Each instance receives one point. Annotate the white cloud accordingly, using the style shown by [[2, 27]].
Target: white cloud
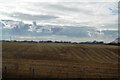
[[93, 14]]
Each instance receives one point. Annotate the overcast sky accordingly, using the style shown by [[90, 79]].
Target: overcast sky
[[100, 15]]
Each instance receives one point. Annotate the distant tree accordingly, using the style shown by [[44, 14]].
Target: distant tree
[[101, 42], [49, 41], [14, 40], [25, 41]]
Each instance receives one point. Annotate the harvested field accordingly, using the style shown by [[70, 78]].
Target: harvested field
[[59, 60]]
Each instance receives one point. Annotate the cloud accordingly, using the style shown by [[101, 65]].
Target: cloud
[[59, 1], [23, 16], [63, 8], [69, 31], [74, 31], [56, 30], [71, 19], [92, 14], [110, 33]]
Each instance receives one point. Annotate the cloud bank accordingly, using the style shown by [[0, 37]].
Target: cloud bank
[[69, 19]]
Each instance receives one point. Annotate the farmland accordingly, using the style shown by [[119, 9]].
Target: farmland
[[59, 60]]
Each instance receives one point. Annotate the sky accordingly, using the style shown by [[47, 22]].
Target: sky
[[60, 20]]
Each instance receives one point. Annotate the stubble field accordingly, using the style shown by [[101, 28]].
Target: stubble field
[[59, 60]]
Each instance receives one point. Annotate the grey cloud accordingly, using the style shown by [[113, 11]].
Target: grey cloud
[[111, 33], [70, 31], [111, 26], [2, 24], [61, 7], [32, 17], [76, 31], [56, 30]]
